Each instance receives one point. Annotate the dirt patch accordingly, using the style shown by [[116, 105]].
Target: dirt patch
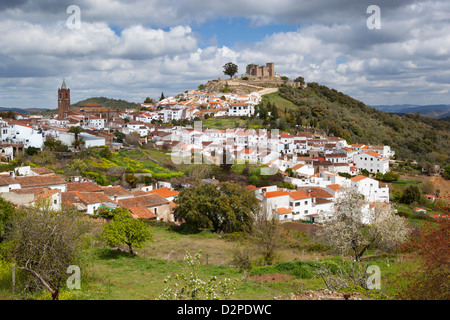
[[275, 277], [308, 228], [444, 188], [322, 295]]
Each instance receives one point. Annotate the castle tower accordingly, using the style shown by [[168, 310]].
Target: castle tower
[[270, 69], [63, 101]]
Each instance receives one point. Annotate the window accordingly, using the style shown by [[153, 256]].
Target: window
[[306, 203], [55, 201]]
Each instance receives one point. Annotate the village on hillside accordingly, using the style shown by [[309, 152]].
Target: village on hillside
[[318, 167]]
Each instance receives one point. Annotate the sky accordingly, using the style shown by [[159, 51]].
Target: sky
[[133, 49]]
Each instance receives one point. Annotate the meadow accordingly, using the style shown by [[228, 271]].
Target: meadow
[[110, 274]]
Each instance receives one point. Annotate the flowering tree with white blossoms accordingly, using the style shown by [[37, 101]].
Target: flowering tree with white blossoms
[[356, 227], [191, 287]]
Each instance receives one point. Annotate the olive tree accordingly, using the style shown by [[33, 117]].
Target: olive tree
[[44, 243], [124, 229]]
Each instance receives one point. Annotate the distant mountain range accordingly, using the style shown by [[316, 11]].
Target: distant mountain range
[[23, 110], [432, 111]]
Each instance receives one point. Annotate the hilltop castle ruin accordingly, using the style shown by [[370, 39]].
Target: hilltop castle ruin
[[267, 71]]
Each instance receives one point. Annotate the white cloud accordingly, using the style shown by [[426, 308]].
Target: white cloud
[[157, 50]]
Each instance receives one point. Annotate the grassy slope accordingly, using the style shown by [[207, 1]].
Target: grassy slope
[[111, 275]]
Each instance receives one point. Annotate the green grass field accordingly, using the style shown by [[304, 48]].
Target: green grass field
[[281, 103], [109, 274]]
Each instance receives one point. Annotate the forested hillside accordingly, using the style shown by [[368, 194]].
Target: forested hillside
[[411, 136], [107, 102]]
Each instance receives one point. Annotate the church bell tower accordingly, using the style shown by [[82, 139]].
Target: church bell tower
[[63, 101]]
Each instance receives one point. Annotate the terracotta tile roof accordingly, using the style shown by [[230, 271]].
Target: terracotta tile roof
[[298, 195], [334, 187], [116, 191], [47, 193], [138, 193], [373, 154], [336, 155], [84, 187], [322, 201], [34, 181], [149, 200], [279, 193], [164, 192], [42, 171], [284, 210], [316, 192], [358, 178], [39, 192], [92, 197], [141, 213]]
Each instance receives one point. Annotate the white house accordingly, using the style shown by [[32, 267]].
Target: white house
[[89, 140], [301, 204], [372, 162], [238, 109], [370, 189], [273, 200]]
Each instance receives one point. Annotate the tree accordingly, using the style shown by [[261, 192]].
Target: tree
[[301, 80], [230, 69], [354, 228], [266, 234], [390, 176], [44, 244], [162, 96], [227, 160], [6, 212], [44, 158], [428, 247], [411, 195], [131, 179], [119, 136], [124, 229], [52, 144], [77, 167], [230, 208], [148, 100], [31, 151], [77, 143], [428, 187], [110, 214], [132, 138]]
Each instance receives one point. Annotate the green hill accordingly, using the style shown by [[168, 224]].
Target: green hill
[[108, 102], [412, 136]]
